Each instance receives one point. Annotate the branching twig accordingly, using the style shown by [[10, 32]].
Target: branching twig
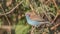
[[7, 19], [5, 15], [45, 11], [57, 10], [58, 13], [6, 27], [12, 9]]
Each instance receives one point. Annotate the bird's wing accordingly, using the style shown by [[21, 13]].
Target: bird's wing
[[36, 18]]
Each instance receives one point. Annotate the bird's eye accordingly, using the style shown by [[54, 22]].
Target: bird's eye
[[28, 14]]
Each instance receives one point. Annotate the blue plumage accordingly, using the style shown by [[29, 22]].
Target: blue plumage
[[34, 22]]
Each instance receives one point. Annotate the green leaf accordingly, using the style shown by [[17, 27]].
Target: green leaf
[[22, 29]]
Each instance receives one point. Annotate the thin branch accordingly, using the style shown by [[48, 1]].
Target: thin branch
[[31, 7], [7, 19], [57, 11], [45, 12], [32, 31], [6, 16], [55, 4], [53, 28], [6, 27], [47, 1], [12, 9]]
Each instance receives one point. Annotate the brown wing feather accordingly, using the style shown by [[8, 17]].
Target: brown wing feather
[[36, 18]]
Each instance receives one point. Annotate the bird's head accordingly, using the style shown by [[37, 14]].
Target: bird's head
[[28, 14]]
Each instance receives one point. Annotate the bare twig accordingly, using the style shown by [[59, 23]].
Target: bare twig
[[55, 33], [32, 31], [55, 17], [12, 9], [7, 19], [5, 15], [44, 33], [9, 2], [58, 13], [47, 1], [55, 4], [53, 28], [49, 18], [7, 28], [31, 7], [57, 10]]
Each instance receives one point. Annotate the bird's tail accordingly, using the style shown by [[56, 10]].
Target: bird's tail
[[47, 22]]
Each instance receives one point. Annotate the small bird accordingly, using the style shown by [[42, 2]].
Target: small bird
[[35, 20]]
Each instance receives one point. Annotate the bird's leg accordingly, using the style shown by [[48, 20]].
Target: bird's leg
[[32, 30]]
